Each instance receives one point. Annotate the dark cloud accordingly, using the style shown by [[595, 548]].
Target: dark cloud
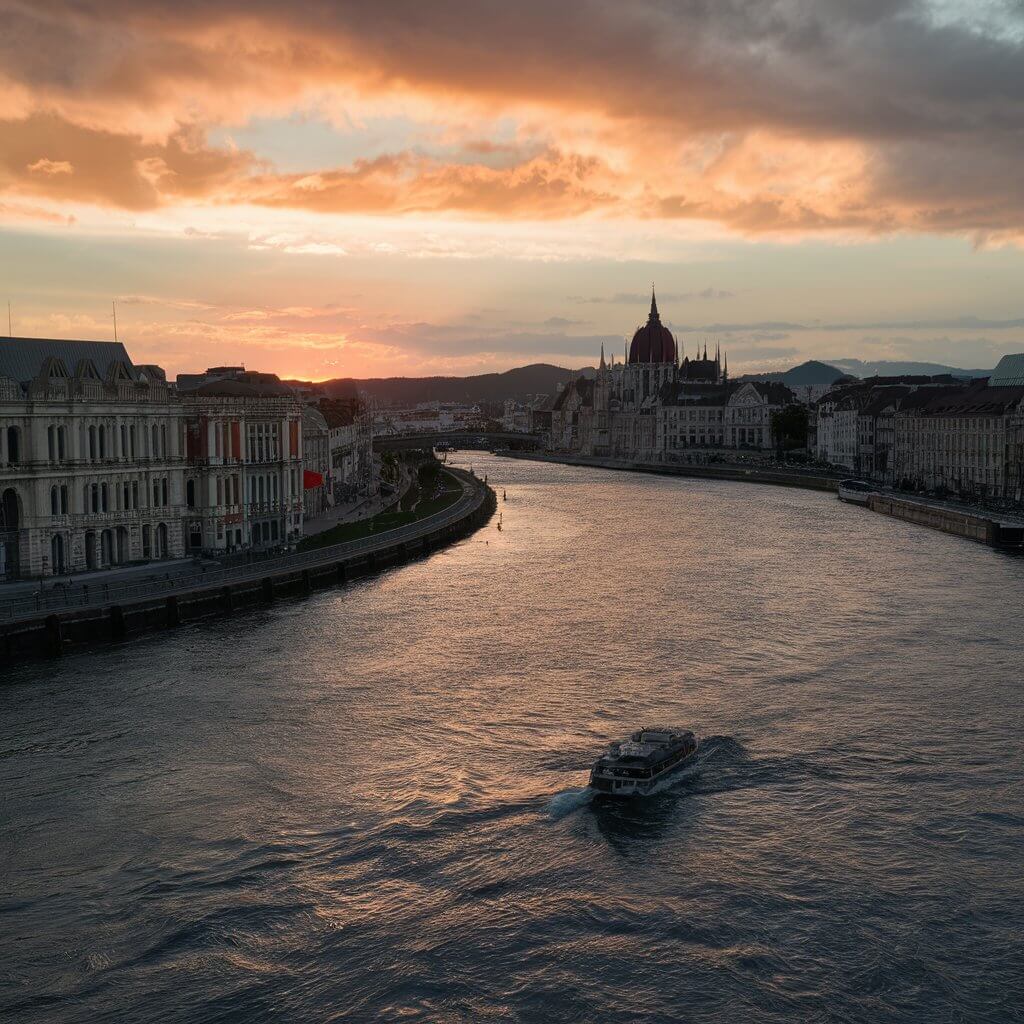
[[800, 115]]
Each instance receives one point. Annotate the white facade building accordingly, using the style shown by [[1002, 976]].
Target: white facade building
[[91, 459]]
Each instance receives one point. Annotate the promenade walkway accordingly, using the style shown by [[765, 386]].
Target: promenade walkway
[[125, 591]]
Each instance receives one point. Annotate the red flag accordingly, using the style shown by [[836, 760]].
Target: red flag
[[311, 479]]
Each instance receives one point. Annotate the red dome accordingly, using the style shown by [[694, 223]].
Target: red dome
[[653, 343]]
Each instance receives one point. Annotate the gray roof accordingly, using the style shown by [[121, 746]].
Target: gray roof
[[22, 358], [1009, 372]]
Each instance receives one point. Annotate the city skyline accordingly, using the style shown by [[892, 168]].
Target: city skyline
[[349, 191]]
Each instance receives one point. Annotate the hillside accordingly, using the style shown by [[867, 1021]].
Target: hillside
[[809, 374], [491, 388], [894, 368]]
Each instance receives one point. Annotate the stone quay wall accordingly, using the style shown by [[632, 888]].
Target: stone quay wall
[[140, 608], [752, 474]]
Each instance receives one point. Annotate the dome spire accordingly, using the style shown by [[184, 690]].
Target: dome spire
[[654, 306]]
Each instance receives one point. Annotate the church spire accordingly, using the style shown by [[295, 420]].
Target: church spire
[[602, 366], [654, 306]]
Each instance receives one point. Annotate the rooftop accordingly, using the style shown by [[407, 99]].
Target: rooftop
[[21, 359]]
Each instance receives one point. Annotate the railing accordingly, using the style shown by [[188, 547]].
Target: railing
[[58, 598]]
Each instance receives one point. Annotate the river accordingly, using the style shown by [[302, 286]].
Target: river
[[370, 805]]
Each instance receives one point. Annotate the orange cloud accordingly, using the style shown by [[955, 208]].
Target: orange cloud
[[776, 116]]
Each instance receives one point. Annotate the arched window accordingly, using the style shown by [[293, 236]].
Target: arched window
[[161, 540], [124, 441], [155, 442], [10, 515], [103, 442], [54, 501], [13, 445], [92, 444], [131, 440], [163, 492], [51, 443], [156, 493], [62, 443], [95, 497], [147, 543], [190, 492], [64, 499], [135, 494], [103, 497], [163, 440]]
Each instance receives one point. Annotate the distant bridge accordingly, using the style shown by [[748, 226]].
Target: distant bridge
[[480, 440]]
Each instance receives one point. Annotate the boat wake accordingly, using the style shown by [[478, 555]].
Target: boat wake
[[568, 801]]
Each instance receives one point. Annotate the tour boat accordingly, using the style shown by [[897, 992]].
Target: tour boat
[[644, 763], [856, 492]]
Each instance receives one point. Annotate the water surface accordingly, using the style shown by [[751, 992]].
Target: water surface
[[369, 805]]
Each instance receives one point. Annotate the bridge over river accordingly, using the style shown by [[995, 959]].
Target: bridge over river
[[483, 441]]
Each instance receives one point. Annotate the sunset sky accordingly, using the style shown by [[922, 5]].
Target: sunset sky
[[389, 187]]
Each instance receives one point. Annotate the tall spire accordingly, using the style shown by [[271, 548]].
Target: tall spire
[[654, 306], [725, 369], [705, 348], [602, 366]]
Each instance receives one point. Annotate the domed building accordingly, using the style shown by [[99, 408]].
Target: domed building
[[620, 412], [653, 343]]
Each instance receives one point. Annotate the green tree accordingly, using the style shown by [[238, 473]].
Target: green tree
[[789, 427]]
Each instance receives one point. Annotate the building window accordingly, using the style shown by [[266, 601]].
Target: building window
[[13, 445]]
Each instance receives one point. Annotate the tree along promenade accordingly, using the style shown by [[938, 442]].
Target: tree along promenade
[[48, 622]]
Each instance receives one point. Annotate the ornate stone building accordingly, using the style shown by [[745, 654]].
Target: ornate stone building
[[654, 405], [244, 484], [91, 459]]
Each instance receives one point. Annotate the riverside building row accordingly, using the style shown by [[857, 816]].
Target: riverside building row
[[936, 434], [104, 463]]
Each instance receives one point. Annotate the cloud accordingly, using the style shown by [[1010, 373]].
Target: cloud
[[45, 166], [37, 156], [643, 298], [787, 327], [781, 116], [561, 321]]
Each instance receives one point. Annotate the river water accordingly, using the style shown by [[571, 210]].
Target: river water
[[370, 805]]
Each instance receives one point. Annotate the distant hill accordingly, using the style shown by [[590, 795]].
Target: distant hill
[[809, 374], [894, 368], [488, 388]]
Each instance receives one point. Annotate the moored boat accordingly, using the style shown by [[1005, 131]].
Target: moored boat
[[856, 492], [644, 763]]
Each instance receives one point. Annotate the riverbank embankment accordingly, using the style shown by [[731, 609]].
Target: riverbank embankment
[[28, 630], [751, 474], [994, 532], [969, 524]]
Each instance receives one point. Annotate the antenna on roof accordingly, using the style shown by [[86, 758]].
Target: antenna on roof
[[113, 306]]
